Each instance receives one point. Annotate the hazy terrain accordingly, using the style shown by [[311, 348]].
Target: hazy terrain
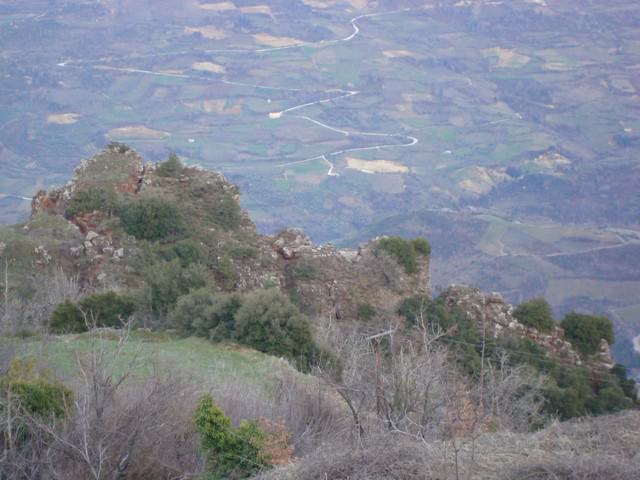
[[506, 132]]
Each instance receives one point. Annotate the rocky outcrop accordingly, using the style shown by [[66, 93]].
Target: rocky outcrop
[[332, 282], [490, 311]]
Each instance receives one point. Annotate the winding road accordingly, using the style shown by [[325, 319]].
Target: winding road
[[335, 94]]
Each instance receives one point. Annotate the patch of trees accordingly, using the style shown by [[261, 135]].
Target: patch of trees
[[265, 320], [406, 252], [171, 167], [572, 391], [154, 219], [535, 313], [109, 309], [585, 332], [91, 200]]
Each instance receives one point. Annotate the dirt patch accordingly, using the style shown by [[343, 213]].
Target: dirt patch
[[479, 180], [273, 41], [218, 7], [397, 53], [506, 57], [217, 105], [357, 4], [208, 67], [210, 32], [376, 166], [63, 118], [551, 160], [263, 9], [137, 131]]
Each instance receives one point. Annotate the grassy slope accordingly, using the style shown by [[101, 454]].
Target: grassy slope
[[205, 363]]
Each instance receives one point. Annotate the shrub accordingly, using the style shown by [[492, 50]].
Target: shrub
[[108, 309], [165, 282], [206, 314], [270, 323], [305, 269], [226, 213], [187, 252], [535, 313], [91, 200], [152, 219], [422, 246], [67, 318], [171, 167], [406, 252], [118, 147], [232, 453], [366, 311], [586, 331], [36, 392]]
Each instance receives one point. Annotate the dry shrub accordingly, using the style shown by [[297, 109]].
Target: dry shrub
[[19, 316], [389, 457], [309, 412], [577, 468]]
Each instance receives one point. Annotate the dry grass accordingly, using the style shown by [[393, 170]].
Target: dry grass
[[604, 448], [273, 41], [376, 166]]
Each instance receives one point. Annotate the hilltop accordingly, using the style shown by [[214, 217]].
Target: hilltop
[[130, 261]]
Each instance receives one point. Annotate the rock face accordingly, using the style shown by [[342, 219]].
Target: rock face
[[490, 311], [332, 282]]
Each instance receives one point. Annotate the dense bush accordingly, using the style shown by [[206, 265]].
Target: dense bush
[[535, 313], [586, 331], [153, 219], [100, 309], [67, 318], [91, 200], [118, 147], [459, 331], [108, 309], [406, 252], [36, 392], [231, 453], [171, 167], [186, 251], [226, 213], [270, 323], [165, 282], [206, 314]]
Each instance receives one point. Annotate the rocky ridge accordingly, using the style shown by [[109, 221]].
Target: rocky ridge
[[325, 281]]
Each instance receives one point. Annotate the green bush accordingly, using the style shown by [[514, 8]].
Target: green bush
[[108, 309], [91, 200], [535, 313], [153, 219], [585, 331], [187, 252], [171, 167], [165, 282], [205, 314], [67, 318], [226, 213], [422, 246], [118, 147], [36, 392], [461, 334], [305, 269], [231, 453], [406, 252], [270, 323]]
